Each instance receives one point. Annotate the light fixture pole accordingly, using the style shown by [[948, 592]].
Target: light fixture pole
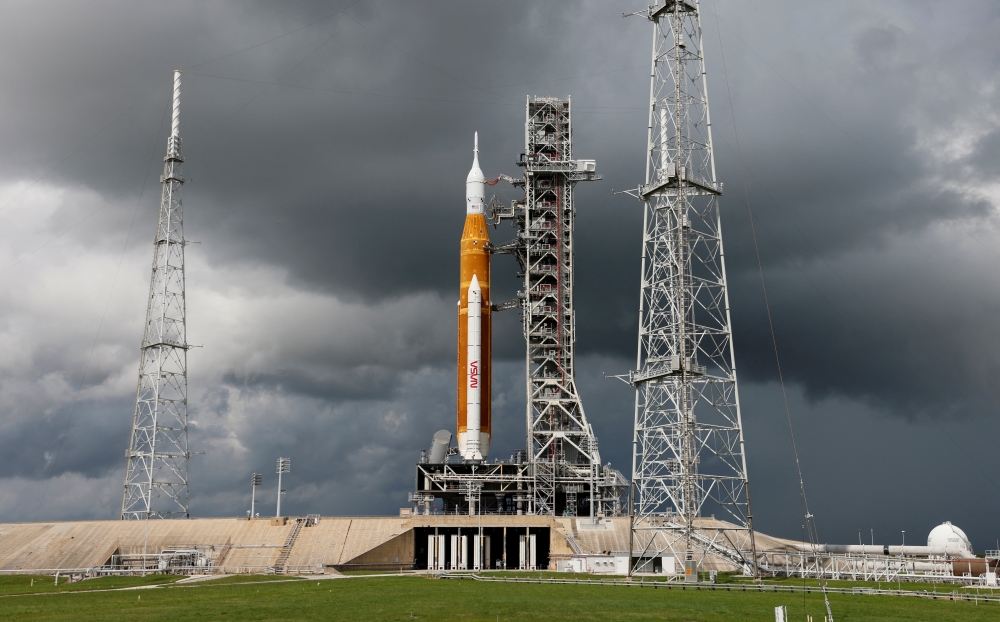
[[255, 481], [284, 466]]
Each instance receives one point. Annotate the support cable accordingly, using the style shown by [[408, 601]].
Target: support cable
[[67, 229], [100, 325], [147, 93], [885, 327], [843, 131], [285, 34], [810, 520], [79, 147], [423, 62]]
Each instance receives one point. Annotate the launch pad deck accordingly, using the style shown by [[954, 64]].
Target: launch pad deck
[[507, 488]]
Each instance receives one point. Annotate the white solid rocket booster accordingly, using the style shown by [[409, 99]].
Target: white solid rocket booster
[[474, 369]]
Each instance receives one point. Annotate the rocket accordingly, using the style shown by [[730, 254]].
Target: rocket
[[474, 334]]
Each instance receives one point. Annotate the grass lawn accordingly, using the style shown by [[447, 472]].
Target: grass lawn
[[23, 584], [736, 579], [409, 598]]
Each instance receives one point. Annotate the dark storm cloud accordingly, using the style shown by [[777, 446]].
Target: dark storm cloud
[[327, 171]]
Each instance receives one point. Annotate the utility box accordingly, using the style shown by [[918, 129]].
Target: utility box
[[279, 521], [690, 571], [621, 564]]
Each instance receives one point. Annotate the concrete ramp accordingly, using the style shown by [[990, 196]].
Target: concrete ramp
[[87, 544], [238, 545]]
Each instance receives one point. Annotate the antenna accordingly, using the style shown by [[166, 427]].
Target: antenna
[[156, 471]]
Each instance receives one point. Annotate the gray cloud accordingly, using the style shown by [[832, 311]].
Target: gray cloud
[[327, 170]]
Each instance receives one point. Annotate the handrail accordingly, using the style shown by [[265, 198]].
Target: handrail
[[735, 587]]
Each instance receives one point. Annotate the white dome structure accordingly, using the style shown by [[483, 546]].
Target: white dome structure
[[949, 538]]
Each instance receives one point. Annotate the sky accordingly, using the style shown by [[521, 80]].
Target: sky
[[326, 148]]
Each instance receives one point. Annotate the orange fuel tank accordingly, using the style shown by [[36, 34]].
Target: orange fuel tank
[[474, 376]]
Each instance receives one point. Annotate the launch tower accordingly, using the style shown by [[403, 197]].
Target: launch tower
[[560, 471], [156, 472], [561, 445], [688, 454]]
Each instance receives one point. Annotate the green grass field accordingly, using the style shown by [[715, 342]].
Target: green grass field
[[409, 598]]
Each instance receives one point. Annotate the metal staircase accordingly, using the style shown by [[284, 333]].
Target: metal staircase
[[286, 549]]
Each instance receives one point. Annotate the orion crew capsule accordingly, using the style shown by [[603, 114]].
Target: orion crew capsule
[[474, 335]]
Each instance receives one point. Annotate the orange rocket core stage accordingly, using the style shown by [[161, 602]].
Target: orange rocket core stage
[[475, 260]]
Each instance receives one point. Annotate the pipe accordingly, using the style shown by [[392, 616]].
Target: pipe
[[975, 566], [884, 549], [438, 452]]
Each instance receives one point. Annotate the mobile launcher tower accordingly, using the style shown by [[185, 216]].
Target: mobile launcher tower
[[560, 471]]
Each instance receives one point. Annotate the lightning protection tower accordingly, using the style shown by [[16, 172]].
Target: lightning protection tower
[[688, 453], [156, 473]]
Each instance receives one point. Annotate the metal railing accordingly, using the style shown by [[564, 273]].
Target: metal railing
[[736, 587]]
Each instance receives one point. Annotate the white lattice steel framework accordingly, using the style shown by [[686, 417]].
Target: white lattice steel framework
[[688, 454], [156, 474], [558, 436], [565, 464]]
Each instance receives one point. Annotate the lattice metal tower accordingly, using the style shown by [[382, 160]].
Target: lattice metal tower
[[156, 474], [688, 453], [562, 449]]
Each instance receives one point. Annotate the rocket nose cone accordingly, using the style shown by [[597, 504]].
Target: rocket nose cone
[[474, 285]]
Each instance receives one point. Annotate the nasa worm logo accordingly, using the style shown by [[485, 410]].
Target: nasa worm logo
[[473, 374]]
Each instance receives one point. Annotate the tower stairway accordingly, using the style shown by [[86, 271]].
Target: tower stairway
[[286, 549]]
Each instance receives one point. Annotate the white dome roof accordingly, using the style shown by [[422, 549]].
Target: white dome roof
[[950, 538]]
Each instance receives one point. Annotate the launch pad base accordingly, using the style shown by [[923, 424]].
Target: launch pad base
[[472, 488]]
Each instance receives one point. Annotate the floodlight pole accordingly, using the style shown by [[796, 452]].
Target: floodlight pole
[[284, 466], [255, 481]]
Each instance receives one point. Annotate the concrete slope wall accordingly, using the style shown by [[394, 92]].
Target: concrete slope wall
[[337, 540], [242, 545], [85, 544]]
